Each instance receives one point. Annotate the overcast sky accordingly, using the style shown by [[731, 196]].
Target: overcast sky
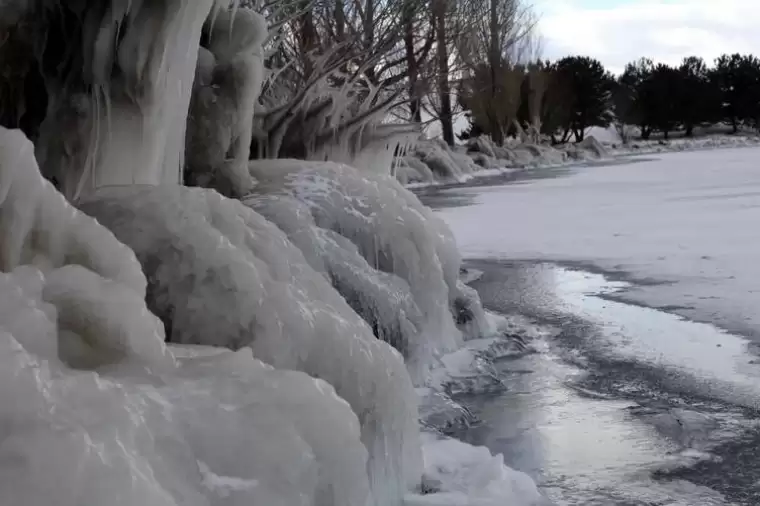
[[618, 31]]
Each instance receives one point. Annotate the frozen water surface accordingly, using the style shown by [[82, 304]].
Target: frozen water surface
[[688, 220]]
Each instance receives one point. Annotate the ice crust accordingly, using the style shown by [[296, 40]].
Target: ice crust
[[387, 254]]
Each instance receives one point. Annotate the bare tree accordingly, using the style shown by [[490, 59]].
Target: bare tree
[[494, 47], [338, 68]]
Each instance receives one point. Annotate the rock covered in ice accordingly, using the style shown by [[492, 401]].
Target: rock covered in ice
[[439, 412], [405, 251], [588, 149], [593, 146], [413, 170], [444, 163], [220, 274], [481, 144]]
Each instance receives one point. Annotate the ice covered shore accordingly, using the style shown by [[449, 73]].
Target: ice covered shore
[[431, 162], [312, 408]]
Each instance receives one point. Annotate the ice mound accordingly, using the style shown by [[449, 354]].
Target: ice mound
[[218, 430], [592, 145], [388, 255], [588, 149], [444, 163], [39, 227], [220, 274], [457, 474], [411, 170], [96, 410]]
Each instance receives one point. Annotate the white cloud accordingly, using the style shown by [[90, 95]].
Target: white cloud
[[619, 31]]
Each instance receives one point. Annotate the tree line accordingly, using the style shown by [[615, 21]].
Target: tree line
[[562, 99], [337, 72]]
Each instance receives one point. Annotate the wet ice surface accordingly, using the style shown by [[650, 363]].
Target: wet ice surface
[[596, 419], [625, 405]]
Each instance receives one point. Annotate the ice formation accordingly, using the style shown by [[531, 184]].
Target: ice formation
[[220, 274], [457, 474], [228, 81], [431, 162], [443, 162], [99, 411], [38, 227], [388, 255], [311, 408], [139, 59]]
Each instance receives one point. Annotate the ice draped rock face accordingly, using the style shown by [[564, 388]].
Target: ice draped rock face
[[395, 263], [220, 274], [96, 410]]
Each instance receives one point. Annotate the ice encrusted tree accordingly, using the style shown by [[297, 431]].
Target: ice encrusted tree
[[313, 406]]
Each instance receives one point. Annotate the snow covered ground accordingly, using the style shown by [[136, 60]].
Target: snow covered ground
[[686, 220]]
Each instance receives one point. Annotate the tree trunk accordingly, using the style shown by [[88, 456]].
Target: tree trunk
[[497, 135], [308, 39], [369, 36], [444, 87], [340, 20], [415, 107]]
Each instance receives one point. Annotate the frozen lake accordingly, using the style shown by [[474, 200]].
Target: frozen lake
[[689, 221], [628, 403]]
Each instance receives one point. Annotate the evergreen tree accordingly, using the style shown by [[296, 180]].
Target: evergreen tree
[[698, 100], [737, 77], [590, 87], [630, 97], [661, 98]]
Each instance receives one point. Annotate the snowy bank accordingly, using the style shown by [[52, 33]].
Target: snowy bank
[[435, 163], [716, 141]]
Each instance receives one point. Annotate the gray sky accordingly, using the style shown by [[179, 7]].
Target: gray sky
[[618, 31]]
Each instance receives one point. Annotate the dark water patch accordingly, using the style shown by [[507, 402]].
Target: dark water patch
[[734, 471], [627, 405]]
